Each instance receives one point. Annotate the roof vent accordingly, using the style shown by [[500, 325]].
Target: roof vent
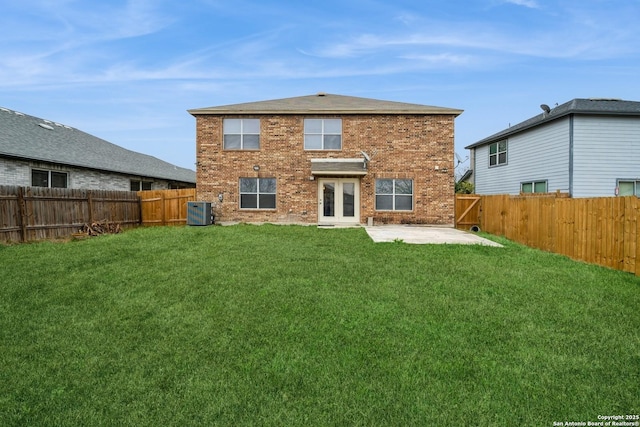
[[322, 94], [17, 113], [46, 126], [5, 110]]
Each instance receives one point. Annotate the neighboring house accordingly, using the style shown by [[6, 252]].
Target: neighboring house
[[585, 147], [467, 176], [327, 159], [41, 153]]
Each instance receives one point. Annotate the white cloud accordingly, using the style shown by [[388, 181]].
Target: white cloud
[[95, 21], [369, 43], [533, 4], [87, 51], [441, 60], [565, 35], [72, 39]]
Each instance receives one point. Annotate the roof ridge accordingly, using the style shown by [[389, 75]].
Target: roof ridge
[[323, 103]]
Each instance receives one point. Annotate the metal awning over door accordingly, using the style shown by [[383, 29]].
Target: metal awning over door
[[343, 167]]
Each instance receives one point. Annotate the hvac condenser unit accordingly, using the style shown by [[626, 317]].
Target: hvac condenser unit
[[199, 213]]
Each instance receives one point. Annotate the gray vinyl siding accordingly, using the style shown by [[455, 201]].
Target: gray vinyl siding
[[605, 149], [534, 155]]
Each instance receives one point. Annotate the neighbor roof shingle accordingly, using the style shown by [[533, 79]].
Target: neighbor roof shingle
[[609, 107], [28, 137]]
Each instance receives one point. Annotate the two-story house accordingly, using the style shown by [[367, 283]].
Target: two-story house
[[327, 159], [584, 147]]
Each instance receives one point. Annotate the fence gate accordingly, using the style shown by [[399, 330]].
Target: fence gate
[[468, 208], [165, 207]]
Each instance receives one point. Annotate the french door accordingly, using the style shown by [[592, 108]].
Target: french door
[[338, 201]]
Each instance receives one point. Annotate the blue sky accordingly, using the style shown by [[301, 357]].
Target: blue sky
[[127, 70]]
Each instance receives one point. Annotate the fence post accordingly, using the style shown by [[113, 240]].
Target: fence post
[[163, 203], [636, 205], [90, 204], [22, 208]]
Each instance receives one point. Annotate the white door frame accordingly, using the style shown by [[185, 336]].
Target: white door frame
[[336, 211]]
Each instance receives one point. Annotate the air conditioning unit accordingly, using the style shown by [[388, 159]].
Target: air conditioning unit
[[199, 213]]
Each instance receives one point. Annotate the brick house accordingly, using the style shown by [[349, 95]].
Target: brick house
[[327, 159]]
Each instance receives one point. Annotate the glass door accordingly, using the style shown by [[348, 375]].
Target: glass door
[[339, 201], [328, 199]]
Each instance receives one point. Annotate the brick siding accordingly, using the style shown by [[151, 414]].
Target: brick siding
[[418, 147]]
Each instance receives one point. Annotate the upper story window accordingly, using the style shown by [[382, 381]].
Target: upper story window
[[533, 187], [241, 134], [498, 153], [51, 179], [322, 134]]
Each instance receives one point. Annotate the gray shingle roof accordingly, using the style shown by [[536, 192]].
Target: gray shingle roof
[[597, 106], [28, 137], [324, 103]]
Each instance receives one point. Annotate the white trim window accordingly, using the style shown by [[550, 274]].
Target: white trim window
[[241, 134], [394, 194], [257, 193], [498, 153], [322, 134], [533, 187], [49, 179], [629, 187]]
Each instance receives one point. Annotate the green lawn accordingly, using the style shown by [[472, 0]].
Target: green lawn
[[290, 325]]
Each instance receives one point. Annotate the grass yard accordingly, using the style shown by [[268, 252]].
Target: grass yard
[[289, 325]]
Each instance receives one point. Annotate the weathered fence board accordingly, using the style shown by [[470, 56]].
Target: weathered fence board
[[602, 230], [36, 213]]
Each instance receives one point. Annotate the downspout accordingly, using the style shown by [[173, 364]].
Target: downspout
[[571, 155], [472, 165]]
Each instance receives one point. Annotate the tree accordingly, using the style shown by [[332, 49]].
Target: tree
[[464, 187]]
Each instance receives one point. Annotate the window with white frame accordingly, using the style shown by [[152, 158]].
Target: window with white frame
[[498, 153], [394, 194], [46, 178], [322, 134], [241, 134], [533, 187], [629, 187], [257, 193]]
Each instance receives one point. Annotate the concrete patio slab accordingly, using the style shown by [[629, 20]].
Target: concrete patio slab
[[426, 235]]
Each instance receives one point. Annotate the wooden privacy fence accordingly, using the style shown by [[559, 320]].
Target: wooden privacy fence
[[602, 230], [165, 207], [36, 213]]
